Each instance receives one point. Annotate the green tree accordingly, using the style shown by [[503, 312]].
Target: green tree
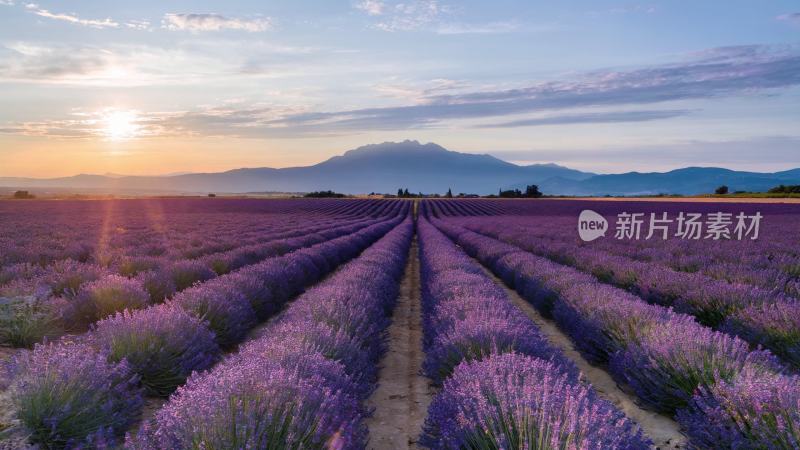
[[532, 191]]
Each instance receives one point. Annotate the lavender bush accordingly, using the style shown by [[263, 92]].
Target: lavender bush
[[101, 298], [67, 395], [669, 363], [163, 345], [225, 309], [753, 410], [776, 326], [25, 321], [258, 403], [158, 284], [515, 401], [65, 278], [189, 271]]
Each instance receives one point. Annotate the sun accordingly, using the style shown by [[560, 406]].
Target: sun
[[120, 125]]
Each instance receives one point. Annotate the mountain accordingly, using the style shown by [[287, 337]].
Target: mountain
[[419, 167], [372, 168], [690, 180]]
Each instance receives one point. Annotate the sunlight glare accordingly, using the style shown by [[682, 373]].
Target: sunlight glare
[[120, 125]]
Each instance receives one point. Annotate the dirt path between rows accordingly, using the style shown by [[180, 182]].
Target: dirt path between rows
[[661, 429], [403, 394]]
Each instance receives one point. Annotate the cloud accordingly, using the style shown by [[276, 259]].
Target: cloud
[[488, 28], [7, 2], [138, 24], [214, 22], [723, 72], [715, 73], [427, 15], [118, 65], [405, 16], [597, 117], [371, 7], [790, 17], [72, 18]]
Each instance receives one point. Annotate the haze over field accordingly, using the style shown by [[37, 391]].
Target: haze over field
[[155, 88]]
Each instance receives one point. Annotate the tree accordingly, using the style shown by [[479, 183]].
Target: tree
[[449, 193], [722, 190], [324, 194], [400, 192], [511, 193], [406, 193], [532, 191], [783, 189], [23, 194]]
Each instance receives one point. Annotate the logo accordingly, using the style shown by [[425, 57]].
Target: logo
[[591, 225]]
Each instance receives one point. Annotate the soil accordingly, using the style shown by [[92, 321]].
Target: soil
[[403, 394], [661, 429]]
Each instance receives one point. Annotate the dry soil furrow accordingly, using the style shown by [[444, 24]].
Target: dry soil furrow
[[402, 397]]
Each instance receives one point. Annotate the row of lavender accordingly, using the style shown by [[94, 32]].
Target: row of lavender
[[723, 394], [78, 294], [757, 315], [772, 261], [96, 231], [504, 386], [128, 254], [745, 262], [88, 391], [302, 383]]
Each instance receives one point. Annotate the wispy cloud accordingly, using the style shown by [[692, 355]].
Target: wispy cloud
[[595, 117], [371, 7], [72, 18], [412, 15], [486, 28], [428, 15], [790, 17], [138, 24], [7, 2], [723, 72], [748, 70], [215, 22]]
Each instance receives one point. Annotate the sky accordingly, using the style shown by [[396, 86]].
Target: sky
[[149, 87]]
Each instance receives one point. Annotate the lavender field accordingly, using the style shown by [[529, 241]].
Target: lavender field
[[376, 323]]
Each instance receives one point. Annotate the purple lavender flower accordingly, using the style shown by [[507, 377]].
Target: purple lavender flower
[[753, 410], [104, 297], [516, 401], [223, 306], [69, 395], [258, 403], [189, 271], [65, 278], [669, 363], [163, 344], [775, 325], [158, 284]]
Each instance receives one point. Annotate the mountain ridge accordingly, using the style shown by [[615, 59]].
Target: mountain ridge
[[429, 167]]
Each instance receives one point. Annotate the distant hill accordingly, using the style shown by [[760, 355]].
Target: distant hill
[[372, 168], [688, 181], [419, 167]]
